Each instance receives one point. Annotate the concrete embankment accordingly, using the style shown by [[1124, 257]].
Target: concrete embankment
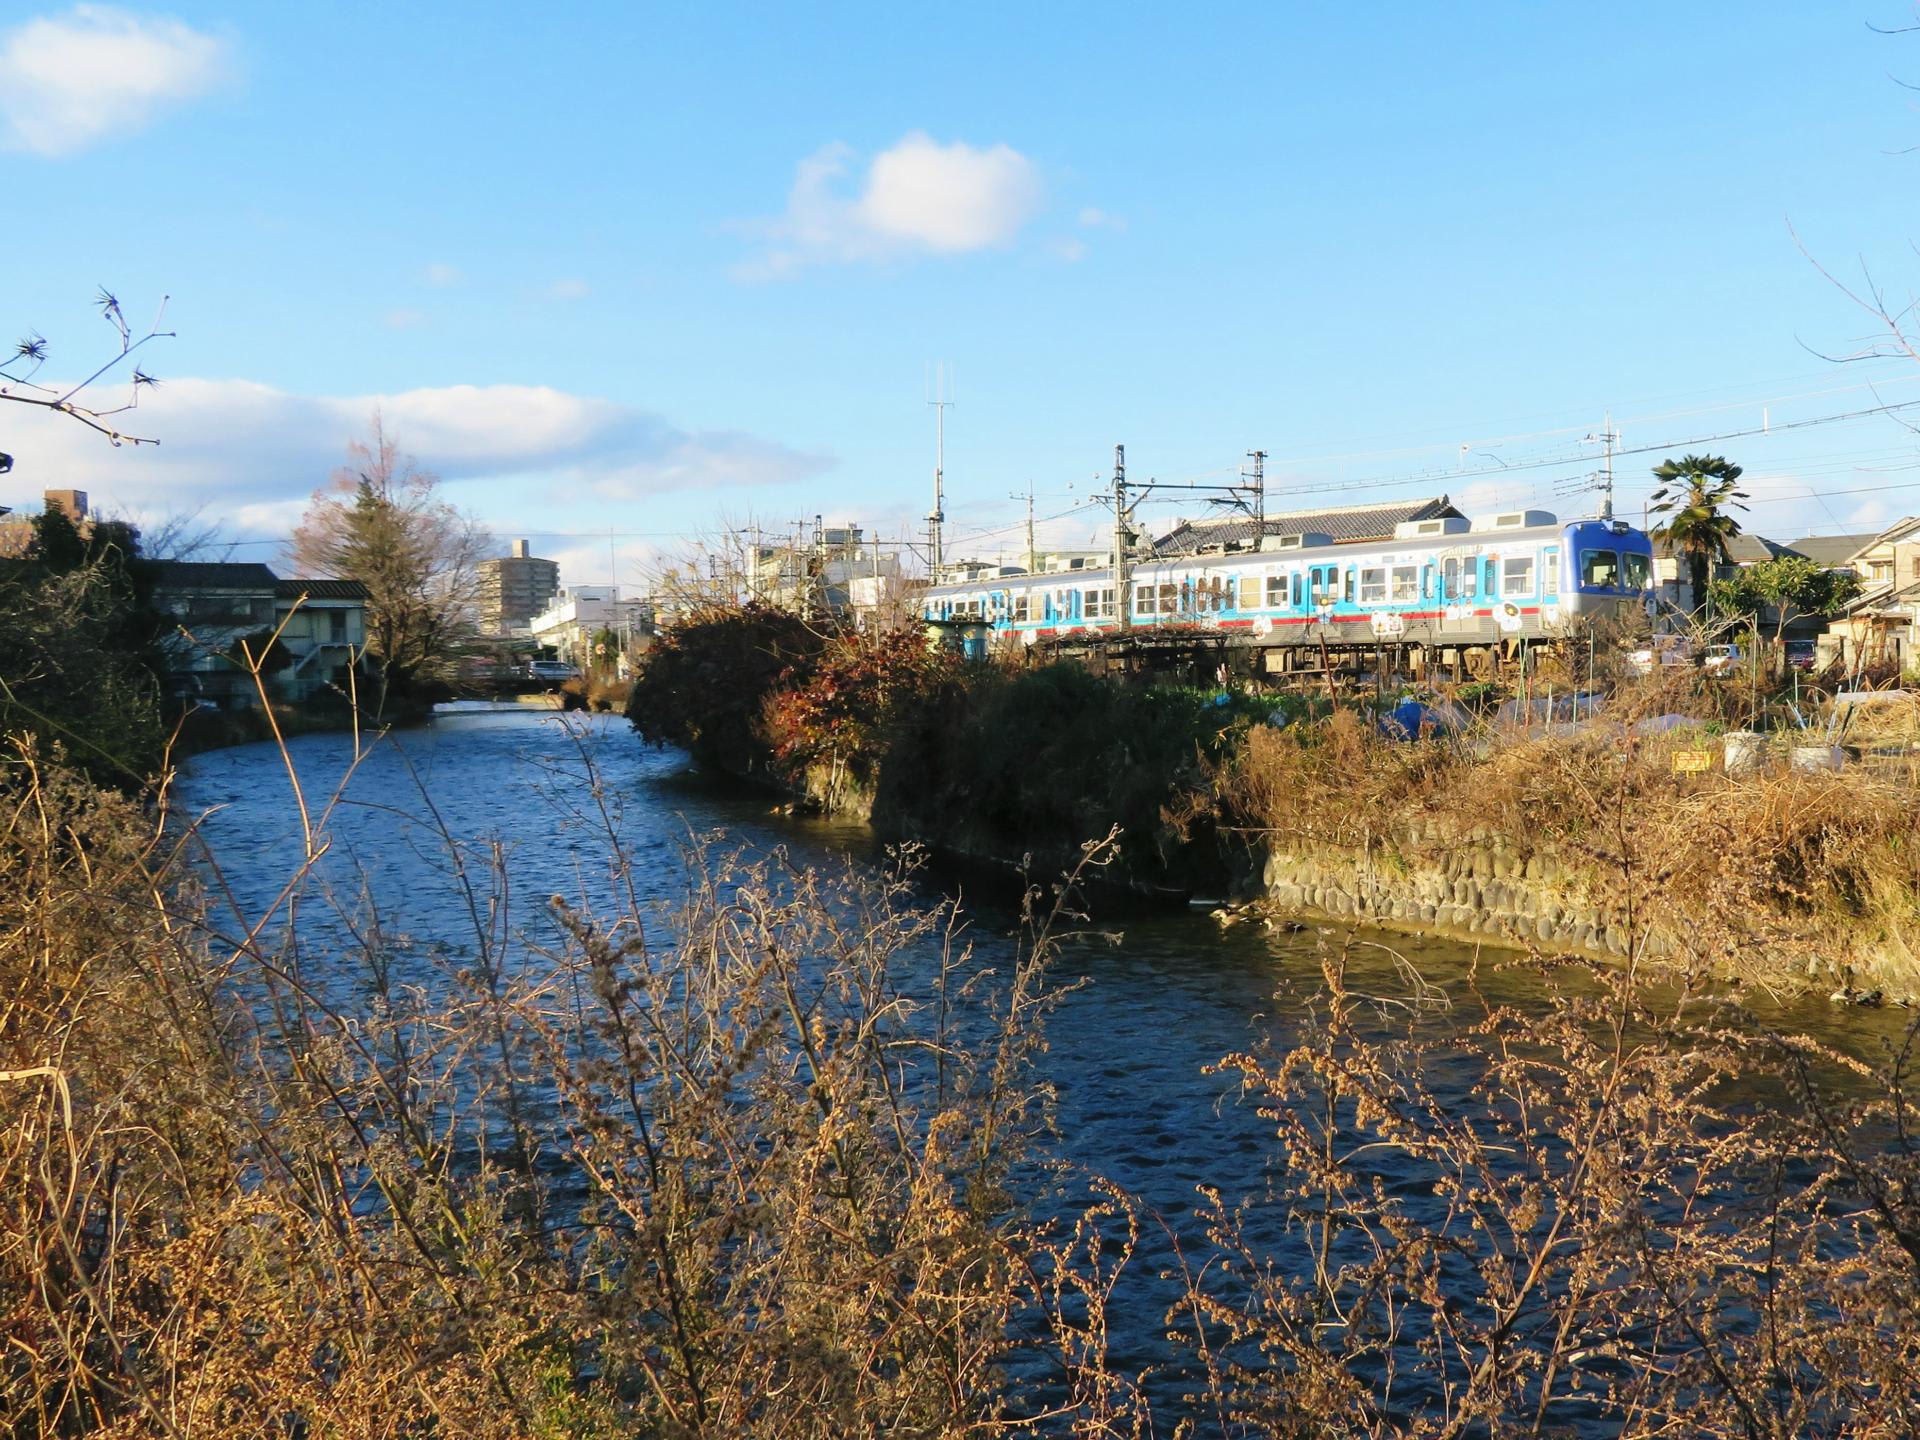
[[1495, 890]]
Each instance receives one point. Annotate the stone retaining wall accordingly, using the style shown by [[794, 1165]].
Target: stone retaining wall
[[1487, 888], [1483, 889]]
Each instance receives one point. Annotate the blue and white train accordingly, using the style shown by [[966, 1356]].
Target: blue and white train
[[1456, 588]]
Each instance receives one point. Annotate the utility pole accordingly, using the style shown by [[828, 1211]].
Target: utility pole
[[1259, 458], [1028, 497], [1122, 586], [938, 517], [1608, 438]]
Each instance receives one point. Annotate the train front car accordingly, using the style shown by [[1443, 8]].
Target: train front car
[[1609, 570]]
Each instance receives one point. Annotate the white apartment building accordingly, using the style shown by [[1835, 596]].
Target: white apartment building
[[577, 613]]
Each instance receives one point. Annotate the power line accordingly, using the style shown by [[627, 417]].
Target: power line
[[1556, 462]]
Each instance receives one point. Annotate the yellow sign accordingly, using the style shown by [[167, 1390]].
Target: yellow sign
[[1692, 762]]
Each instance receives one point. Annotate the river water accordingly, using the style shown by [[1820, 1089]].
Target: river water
[[1129, 1048]]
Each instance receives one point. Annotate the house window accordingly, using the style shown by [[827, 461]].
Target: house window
[[1373, 586], [337, 626], [1880, 569], [1516, 575], [1406, 584]]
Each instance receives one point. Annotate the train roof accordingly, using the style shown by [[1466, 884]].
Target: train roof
[[1347, 524]]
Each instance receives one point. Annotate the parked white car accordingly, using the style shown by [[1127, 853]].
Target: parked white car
[[1721, 658]]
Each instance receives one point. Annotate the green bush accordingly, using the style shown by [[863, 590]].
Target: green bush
[[1042, 761], [705, 683]]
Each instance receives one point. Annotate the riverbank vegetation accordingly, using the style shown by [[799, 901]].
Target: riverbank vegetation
[[1760, 865], [79, 649], [779, 1163]]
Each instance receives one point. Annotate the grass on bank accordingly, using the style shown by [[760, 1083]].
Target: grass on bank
[[762, 1166]]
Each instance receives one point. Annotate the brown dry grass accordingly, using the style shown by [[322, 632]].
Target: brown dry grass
[[1741, 870], [722, 1175], [722, 1178]]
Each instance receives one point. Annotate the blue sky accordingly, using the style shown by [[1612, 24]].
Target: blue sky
[[655, 269]]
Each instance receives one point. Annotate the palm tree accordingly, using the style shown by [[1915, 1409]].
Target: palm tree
[[1694, 494]]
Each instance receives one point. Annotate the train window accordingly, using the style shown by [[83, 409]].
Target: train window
[[1250, 592], [1460, 578], [1143, 601], [1323, 591], [1169, 599], [1022, 607], [1406, 584], [1493, 576], [1373, 586], [1277, 592], [1550, 571], [1297, 582], [1517, 576], [1639, 572], [1599, 569]]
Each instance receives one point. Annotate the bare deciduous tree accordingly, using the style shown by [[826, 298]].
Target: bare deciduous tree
[[17, 372], [382, 522]]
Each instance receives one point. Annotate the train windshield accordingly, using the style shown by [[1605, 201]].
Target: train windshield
[[1599, 569], [1639, 572]]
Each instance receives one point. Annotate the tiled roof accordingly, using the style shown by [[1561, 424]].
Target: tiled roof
[[1831, 549], [1349, 523], [319, 589], [211, 575], [1745, 548]]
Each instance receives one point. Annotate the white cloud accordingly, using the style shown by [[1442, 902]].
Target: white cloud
[[566, 290], [917, 197], [405, 319], [95, 73], [1093, 218], [251, 454], [1068, 249], [440, 275]]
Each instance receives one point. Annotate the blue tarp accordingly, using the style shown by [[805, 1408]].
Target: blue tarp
[[1411, 720]]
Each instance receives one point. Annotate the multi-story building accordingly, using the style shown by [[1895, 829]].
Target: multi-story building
[[819, 577], [578, 613], [1883, 624], [515, 588], [215, 606], [16, 531]]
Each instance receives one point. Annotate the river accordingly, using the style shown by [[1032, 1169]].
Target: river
[[1129, 1048]]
